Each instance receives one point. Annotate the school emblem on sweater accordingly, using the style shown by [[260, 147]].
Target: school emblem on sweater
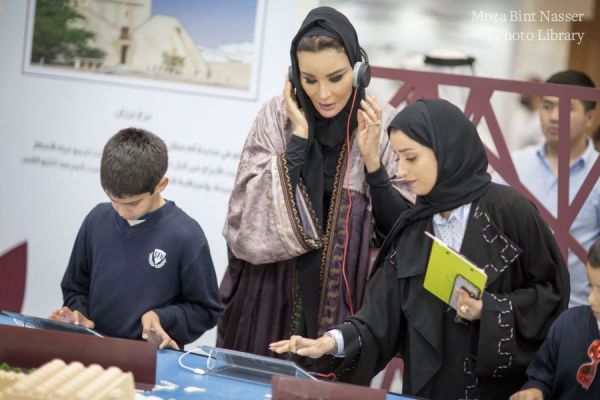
[[157, 258]]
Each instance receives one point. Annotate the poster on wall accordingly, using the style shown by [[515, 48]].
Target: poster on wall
[[200, 46]]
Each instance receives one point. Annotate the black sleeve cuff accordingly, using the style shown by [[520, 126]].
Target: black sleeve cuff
[[535, 384], [295, 150], [379, 177], [294, 156]]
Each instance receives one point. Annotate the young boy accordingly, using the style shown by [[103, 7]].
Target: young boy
[[140, 266], [573, 341]]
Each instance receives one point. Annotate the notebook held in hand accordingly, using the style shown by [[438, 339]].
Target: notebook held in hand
[[448, 270]]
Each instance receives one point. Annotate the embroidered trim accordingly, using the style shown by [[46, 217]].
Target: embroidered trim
[[392, 257], [304, 197], [307, 242], [509, 252], [506, 334], [328, 243], [470, 371], [296, 307], [354, 361]]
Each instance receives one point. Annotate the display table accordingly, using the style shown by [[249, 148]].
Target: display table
[[174, 382]]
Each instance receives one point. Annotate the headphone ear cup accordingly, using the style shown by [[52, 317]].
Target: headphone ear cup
[[361, 75], [292, 77]]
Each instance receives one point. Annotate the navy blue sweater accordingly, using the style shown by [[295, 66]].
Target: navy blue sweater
[[118, 272], [554, 368]]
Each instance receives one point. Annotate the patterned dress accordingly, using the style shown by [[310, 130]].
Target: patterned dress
[[269, 226]]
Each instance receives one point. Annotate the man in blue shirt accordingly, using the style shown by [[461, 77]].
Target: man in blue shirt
[[537, 167]]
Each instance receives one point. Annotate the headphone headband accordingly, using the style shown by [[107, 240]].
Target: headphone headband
[[364, 55]]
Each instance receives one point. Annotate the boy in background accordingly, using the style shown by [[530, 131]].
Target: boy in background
[[140, 266], [570, 355]]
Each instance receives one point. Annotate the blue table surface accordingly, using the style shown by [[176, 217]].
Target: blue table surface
[[214, 387]]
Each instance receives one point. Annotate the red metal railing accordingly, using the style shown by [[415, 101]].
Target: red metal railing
[[478, 106]]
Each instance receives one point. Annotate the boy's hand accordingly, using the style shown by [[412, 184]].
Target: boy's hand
[[153, 332], [528, 394], [65, 314]]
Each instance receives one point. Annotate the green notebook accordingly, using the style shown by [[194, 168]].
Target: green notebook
[[448, 270]]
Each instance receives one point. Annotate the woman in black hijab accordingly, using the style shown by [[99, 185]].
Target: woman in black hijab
[[482, 349], [300, 217]]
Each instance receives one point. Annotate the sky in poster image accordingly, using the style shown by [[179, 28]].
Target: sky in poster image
[[212, 23]]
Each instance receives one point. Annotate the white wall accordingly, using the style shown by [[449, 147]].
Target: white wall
[[543, 58], [46, 205]]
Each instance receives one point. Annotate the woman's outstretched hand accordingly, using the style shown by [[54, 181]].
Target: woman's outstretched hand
[[369, 132], [313, 348]]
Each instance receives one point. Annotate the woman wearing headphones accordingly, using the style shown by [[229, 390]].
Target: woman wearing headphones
[[313, 176], [481, 348]]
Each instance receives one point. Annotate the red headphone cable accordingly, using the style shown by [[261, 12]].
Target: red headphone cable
[[348, 148]]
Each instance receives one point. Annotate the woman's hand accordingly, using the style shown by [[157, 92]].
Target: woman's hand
[[369, 132], [468, 307], [296, 115], [313, 348]]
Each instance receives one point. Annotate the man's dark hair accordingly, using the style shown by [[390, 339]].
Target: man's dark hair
[[596, 138], [594, 254], [133, 162], [575, 78]]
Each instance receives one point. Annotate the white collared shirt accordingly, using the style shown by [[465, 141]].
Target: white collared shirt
[[452, 230]]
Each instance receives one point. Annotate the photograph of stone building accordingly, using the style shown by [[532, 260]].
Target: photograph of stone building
[[177, 41]]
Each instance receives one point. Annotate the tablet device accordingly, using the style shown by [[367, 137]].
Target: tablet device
[[250, 367], [28, 321], [462, 283]]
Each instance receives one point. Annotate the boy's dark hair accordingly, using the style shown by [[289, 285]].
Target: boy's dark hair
[[576, 78], [133, 162], [594, 254]]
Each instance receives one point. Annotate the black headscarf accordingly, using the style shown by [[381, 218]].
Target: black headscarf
[[326, 135], [325, 139], [462, 174]]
